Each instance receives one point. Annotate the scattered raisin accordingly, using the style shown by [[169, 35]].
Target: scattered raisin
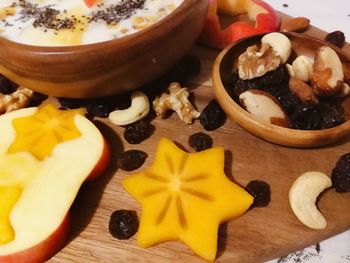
[[37, 99], [212, 117], [131, 160], [71, 103], [306, 117], [123, 224], [97, 109], [200, 141], [332, 115], [341, 174], [261, 192], [336, 38], [7, 86], [137, 132]]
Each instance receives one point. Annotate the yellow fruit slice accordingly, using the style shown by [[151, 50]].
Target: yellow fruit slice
[[41, 132], [185, 197]]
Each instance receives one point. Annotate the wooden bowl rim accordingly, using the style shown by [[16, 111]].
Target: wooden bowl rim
[[150, 31], [257, 126]]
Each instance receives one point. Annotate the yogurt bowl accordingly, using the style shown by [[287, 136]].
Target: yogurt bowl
[[105, 67]]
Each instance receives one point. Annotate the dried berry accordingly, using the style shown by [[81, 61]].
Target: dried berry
[[37, 99], [332, 115], [137, 132], [200, 141], [306, 117], [288, 101], [7, 86], [212, 117], [123, 224], [261, 192], [71, 103], [341, 174], [131, 160], [336, 38], [97, 109]]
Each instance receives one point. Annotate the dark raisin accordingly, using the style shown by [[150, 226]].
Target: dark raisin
[[288, 101], [123, 224], [131, 160], [306, 117], [37, 99], [200, 141], [96, 108], [332, 115], [212, 117], [7, 86], [261, 192], [336, 38], [341, 174], [137, 132], [71, 103]]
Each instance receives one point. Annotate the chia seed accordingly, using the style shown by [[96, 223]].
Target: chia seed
[[115, 13]]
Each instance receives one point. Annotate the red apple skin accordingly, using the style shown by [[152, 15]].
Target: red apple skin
[[101, 165], [54, 243], [43, 251]]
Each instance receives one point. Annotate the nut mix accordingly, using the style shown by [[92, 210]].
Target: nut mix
[[305, 93]]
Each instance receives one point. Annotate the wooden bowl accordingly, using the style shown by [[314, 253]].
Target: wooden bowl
[[302, 45], [108, 67]]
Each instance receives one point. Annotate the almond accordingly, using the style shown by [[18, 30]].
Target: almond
[[265, 106], [298, 24], [328, 75], [302, 90]]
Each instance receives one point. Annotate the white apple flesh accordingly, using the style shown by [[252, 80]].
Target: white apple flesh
[[50, 187]]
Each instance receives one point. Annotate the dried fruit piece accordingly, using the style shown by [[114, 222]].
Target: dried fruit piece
[[332, 115], [297, 24], [176, 99], [306, 117], [280, 43], [261, 192], [7, 86], [264, 106], [255, 63], [123, 224], [303, 195], [302, 90], [131, 160], [212, 117], [200, 141], [341, 174], [328, 73], [137, 132], [303, 68], [336, 38]]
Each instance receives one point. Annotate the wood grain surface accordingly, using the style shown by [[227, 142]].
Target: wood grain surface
[[259, 235]]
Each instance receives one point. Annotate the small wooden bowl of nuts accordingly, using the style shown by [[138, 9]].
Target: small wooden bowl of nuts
[[289, 89]]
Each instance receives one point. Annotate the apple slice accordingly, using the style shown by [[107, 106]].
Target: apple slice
[[40, 216]]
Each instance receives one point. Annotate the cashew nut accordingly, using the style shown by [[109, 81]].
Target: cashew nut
[[303, 195], [139, 109], [290, 70], [303, 68], [280, 43]]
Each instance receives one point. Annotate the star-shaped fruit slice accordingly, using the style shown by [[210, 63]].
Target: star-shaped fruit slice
[[185, 196], [42, 131]]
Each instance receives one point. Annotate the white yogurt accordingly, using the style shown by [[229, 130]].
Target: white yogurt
[[16, 26]]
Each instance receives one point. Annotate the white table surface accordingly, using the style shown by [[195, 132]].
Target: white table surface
[[328, 15]]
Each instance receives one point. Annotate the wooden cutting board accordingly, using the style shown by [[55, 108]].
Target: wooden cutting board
[[259, 235]]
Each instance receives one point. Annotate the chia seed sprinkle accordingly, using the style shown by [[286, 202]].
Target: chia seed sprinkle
[[115, 13]]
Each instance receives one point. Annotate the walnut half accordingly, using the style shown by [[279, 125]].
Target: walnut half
[[255, 63], [17, 100], [176, 100]]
